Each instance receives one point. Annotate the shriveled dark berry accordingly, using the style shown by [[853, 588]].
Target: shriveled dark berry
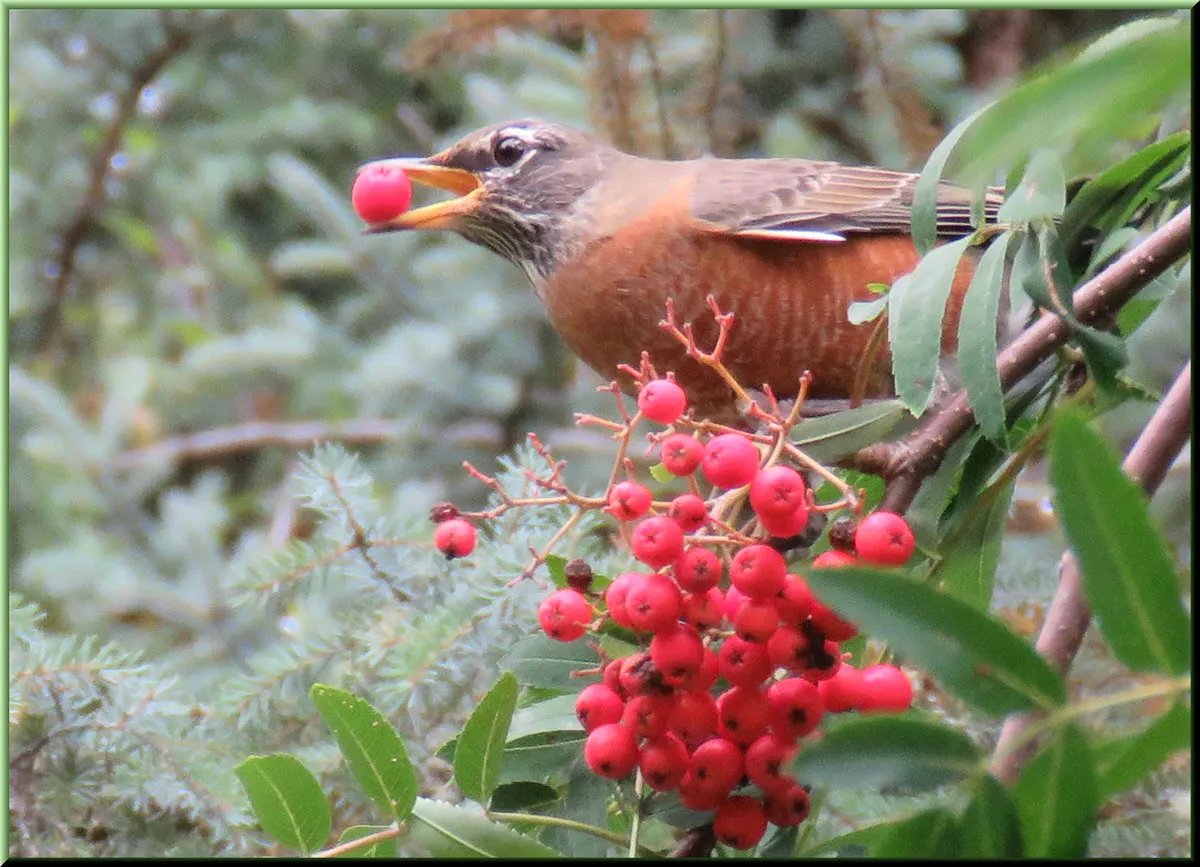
[[443, 512], [578, 574], [841, 533]]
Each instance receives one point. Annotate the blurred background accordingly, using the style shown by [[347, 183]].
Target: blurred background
[[192, 301]]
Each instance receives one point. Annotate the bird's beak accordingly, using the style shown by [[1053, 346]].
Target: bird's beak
[[424, 170]]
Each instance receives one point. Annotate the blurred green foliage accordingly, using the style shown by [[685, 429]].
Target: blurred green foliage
[[187, 282]]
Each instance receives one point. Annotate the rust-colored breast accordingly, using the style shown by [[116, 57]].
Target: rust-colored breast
[[790, 299]]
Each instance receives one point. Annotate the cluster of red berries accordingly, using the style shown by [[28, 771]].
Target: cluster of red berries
[[760, 639]]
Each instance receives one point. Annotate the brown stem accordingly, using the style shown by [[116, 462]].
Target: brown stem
[[921, 453], [1068, 617], [51, 323]]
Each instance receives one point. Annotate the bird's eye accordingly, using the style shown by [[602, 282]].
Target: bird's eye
[[509, 150]]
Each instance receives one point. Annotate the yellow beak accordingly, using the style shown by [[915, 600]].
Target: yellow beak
[[463, 184]]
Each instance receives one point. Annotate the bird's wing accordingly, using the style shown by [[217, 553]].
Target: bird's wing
[[805, 200]]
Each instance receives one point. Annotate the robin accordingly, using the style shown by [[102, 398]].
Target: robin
[[606, 238]]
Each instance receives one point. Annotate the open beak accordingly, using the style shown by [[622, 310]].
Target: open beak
[[422, 170]]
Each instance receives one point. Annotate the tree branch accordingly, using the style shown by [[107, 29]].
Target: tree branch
[[1068, 617]]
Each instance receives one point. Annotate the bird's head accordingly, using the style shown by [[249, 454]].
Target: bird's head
[[515, 185]]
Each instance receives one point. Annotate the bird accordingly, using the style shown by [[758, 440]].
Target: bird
[[606, 238]]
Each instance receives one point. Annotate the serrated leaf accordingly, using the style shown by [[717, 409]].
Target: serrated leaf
[[929, 834], [925, 192], [385, 848], [287, 800], [552, 715], [1042, 192], [448, 831], [1123, 763], [971, 654], [990, 825], [915, 313], [968, 568], [1128, 576], [375, 753], [539, 660], [977, 349], [1056, 798], [877, 751], [834, 436], [481, 742]]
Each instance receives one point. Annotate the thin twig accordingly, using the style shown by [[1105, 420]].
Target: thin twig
[[1068, 616], [716, 81]]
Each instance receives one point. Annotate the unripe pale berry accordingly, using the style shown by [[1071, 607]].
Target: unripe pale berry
[[380, 193], [730, 461], [455, 538]]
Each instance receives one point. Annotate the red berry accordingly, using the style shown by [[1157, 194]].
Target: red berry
[[717, 765], [695, 795], [677, 653], [794, 600], [681, 454], [617, 593], [635, 673], [380, 193], [730, 461], [824, 660], [765, 761], [788, 808], [657, 541], [628, 501], [829, 624], [884, 539], [611, 751], [698, 570], [743, 715], [886, 689], [689, 512], [828, 559], [662, 400], [779, 491], [734, 600], [654, 604], [756, 621], [598, 705], [788, 648], [785, 526], [694, 717], [564, 615], [844, 691], [703, 610], [612, 678], [455, 538], [758, 571], [663, 762], [706, 676], [795, 708], [646, 715], [740, 822], [743, 663]]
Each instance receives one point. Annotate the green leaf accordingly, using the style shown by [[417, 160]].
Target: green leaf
[[385, 848], [916, 310], [539, 660], [1107, 201], [523, 796], [834, 436], [878, 751], [586, 799], [977, 342], [1123, 763], [857, 843], [861, 312], [1056, 798], [1041, 193], [481, 742], [542, 758], [287, 800], [968, 567], [448, 831], [974, 656], [1103, 95], [925, 192], [1128, 576], [372, 748], [929, 834], [661, 474], [552, 715], [990, 825]]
